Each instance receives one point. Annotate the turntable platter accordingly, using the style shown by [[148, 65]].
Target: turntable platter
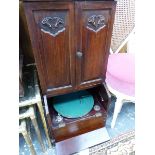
[[74, 105]]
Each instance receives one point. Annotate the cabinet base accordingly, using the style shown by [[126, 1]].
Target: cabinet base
[[81, 142], [95, 119]]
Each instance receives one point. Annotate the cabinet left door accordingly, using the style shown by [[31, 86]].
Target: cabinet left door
[[51, 26]]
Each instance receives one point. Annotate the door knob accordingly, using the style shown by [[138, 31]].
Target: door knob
[[79, 54]]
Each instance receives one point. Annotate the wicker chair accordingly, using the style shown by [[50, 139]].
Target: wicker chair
[[120, 78], [123, 25]]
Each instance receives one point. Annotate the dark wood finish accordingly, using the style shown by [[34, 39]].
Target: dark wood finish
[[76, 127], [24, 38], [80, 142], [54, 55], [71, 42], [21, 89], [73, 127], [93, 41], [73, 54]]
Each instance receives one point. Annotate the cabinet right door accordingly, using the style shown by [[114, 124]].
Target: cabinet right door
[[94, 22]]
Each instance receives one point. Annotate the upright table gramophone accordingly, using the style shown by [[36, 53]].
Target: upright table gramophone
[[71, 41]]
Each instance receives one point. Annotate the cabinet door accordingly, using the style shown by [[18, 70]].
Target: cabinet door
[[51, 27], [94, 21]]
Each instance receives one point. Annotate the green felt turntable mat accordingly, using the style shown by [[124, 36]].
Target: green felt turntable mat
[[74, 105]]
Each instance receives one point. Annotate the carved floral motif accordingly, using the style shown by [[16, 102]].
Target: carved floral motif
[[96, 23], [52, 25]]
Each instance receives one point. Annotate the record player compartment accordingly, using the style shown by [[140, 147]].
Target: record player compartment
[[62, 128]]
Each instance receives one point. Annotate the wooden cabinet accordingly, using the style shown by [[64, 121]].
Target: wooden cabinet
[[70, 41]]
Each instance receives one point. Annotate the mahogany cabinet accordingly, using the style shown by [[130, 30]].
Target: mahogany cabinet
[[70, 41]]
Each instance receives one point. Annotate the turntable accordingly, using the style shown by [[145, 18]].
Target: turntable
[[77, 113], [74, 105]]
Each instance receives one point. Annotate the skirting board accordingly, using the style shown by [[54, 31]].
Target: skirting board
[[82, 142]]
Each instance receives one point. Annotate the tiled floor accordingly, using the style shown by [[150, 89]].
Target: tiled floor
[[124, 123], [125, 120]]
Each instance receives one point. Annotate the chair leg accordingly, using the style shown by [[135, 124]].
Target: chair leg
[[117, 109], [27, 138], [40, 107], [35, 124]]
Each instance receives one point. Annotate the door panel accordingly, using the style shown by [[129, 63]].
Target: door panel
[[51, 28], [93, 44], [93, 40]]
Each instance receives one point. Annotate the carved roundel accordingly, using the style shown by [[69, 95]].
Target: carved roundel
[[52, 25], [96, 23]]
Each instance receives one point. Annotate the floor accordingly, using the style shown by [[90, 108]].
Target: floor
[[124, 123]]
